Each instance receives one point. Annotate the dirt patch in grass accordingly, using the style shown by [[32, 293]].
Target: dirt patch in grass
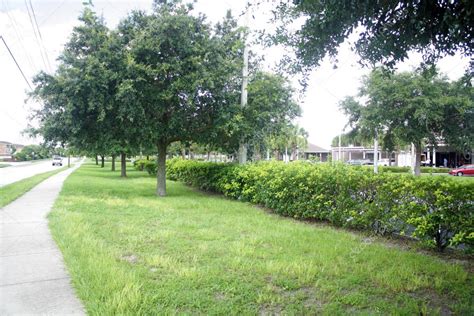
[[130, 258], [219, 296], [267, 310], [434, 300]]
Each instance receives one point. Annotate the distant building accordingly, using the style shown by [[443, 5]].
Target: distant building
[[315, 152], [7, 149], [405, 158], [356, 153]]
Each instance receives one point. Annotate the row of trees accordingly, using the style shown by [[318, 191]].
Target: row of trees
[[412, 108], [170, 76], [157, 79]]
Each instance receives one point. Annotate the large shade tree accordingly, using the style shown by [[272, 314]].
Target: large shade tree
[[177, 78], [385, 31], [73, 109], [81, 104]]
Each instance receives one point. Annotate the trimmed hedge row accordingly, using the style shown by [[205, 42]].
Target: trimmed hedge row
[[395, 169], [434, 170], [438, 210]]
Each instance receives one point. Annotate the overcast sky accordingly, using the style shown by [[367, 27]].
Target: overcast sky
[[56, 18]]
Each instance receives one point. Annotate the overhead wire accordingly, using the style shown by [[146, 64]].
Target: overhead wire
[[36, 35], [16, 62], [52, 12], [40, 36], [39, 33], [20, 38]]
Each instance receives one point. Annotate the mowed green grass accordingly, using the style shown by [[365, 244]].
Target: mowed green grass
[[463, 178], [130, 252], [11, 192]]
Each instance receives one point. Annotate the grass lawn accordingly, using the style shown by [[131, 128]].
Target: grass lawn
[[4, 165], [463, 178], [11, 192], [130, 252]]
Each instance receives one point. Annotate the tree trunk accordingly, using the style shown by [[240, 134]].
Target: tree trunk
[[69, 161], [113, 162], [277, 154], [161, 170], [376, 154], [147, 157], [123, 164], [389, 155], [416, 167], [102, 161], [96, 160], [242, 153]]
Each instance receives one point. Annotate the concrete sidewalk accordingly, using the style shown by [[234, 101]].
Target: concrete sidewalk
[[33, 278]]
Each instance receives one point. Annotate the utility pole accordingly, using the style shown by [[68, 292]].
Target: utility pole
[[339, 156], [376, 153], [244, 92]]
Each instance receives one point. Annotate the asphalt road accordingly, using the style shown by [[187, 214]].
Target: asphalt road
[[21, 171]]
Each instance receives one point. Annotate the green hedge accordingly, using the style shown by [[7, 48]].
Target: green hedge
[[395, 169], [145, 165], [434, 170], [438, 210]]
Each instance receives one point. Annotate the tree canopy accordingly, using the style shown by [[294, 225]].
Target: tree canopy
[[159, 78], [386, 31], [270, 109]]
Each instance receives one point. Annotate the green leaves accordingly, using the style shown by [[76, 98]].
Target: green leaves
[[414, 107], [387, 30], [438, 210]]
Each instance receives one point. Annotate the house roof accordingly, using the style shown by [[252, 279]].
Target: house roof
[[312, 148]]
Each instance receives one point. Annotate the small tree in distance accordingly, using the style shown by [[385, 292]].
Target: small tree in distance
[[413, 108]]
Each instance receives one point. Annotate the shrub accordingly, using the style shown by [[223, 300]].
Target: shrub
[[434, 170], [436, 209], [394, 169], [146, 165], [139, 164]]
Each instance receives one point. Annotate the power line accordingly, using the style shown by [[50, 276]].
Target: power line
[[20, 38], [14, 59], [39, 33], [36, 35], [52, 12]]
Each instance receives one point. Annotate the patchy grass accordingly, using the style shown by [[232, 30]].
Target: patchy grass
[[130, 252], [4, 165], [13, 191]]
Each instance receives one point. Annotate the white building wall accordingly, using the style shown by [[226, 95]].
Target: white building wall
[[405, 159]]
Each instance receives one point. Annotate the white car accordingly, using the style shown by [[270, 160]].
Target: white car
[[57, 161]]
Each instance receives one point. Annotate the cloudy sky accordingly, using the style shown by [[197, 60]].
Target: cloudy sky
[[56, 18]]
